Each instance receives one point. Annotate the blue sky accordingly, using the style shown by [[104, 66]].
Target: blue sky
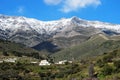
[[102, 10]]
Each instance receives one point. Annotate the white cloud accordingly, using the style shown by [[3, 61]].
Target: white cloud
[[20, 10], [74, 5], [52, 2]]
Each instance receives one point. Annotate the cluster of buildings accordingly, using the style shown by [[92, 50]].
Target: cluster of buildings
[[41, 63], [13, 60], [45, 62]]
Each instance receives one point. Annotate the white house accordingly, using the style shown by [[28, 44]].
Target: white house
[[1, 61], [63, 62], [34, 62], [70, 62], [10, 60], [44, 62]]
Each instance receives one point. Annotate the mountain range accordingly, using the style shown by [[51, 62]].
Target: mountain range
[[59, 35], [31, 31]]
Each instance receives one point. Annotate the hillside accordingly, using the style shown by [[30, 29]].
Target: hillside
[[103, 67], [96, 45], [8, 48]]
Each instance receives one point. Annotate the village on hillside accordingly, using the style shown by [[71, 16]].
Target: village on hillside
[[40, 63]]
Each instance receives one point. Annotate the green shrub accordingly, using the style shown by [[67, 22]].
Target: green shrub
[[59, 75], [107, 58], [5, 53], [100, 63], [117, 65], [107, 70]]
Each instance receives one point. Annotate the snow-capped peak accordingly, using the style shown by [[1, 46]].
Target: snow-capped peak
[[14, 23], [96, 24], [33, 31]]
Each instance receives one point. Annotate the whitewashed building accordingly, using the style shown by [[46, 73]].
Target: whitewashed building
[[34, 62], [63, 62], [44, 62], [1, 61], [10, 60]]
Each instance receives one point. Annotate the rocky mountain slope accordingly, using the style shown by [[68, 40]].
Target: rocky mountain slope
[[96, 45], [63, 32]]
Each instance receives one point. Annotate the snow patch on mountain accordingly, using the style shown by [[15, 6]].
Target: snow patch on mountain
[[34, 31], [15, 23]]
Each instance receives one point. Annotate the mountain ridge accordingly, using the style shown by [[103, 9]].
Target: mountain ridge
[[94, 46], [31, 31]]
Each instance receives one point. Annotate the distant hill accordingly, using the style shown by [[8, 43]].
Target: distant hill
[[47, 46], [15, 49], [96, 45]]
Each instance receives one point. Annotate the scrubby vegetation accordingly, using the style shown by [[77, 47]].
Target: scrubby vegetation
[[104, 67], [96, 45], [8, 48]]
